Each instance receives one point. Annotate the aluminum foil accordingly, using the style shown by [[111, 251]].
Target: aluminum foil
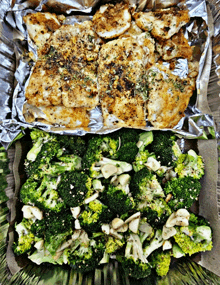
[[197, 123]]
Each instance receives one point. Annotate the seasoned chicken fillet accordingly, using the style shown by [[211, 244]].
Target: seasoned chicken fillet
[[169, 96], [162, 24], [66, 73], [111, 21], [122, 82]]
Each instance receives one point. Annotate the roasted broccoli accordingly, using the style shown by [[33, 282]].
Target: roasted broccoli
[[25, 237], [73, 145], [196, 237], [182, 192], [113, 244], [145, 186], [160, 260], [117, 200], [42, 194], [74, 188], [39, 157], [144, 140], [165, 148], [133, 260], [190, 164], [156, 211], [86, 254], [94, 216]]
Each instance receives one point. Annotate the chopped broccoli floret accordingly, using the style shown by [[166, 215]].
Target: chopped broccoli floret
[[113, 244], [74, 187], [42, 194], [141, 159], [133, 261], [165, 148], [194, 239], [184, 192], [30, 191], [25, 237], [157, 211], [67, 163], [50, 148], [53, 242], [127, 152], [145, 139], [161, 260], [74, 145], [190, 164], [57, 223], [118, 200], [87, 255], [145, 186], [94, 216]]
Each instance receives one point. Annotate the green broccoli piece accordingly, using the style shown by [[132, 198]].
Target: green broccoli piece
[[98, 147], [57, 223], [133, 261], [197, 237], [113, 244], [145, 186], [190, 164], [74, 188], [117, 200], [140, 159], [156, 211], [42, 194], [94, 216], [30, 191], [127, 152], [25, 237], [177, 251], [67, 163], [86, 255], [53, 242], [165, 148], [145, 139], [184, 192], [74, 145], [37, 162], [160, 260], [99, 153]]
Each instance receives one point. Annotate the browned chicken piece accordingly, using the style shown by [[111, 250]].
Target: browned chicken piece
[[111, 21], [121, 111], [169, 96], [122, 82], [176, 46], [66, 73], [40, 26], [162, 24], [58, 115], [44, 87]]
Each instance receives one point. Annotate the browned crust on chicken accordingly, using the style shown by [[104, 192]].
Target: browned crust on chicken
[[162, 24], [176, 46], [111, 21], [169, 96], [40, 26]]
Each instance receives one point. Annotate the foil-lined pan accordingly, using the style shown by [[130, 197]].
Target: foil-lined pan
[[198, 122]]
